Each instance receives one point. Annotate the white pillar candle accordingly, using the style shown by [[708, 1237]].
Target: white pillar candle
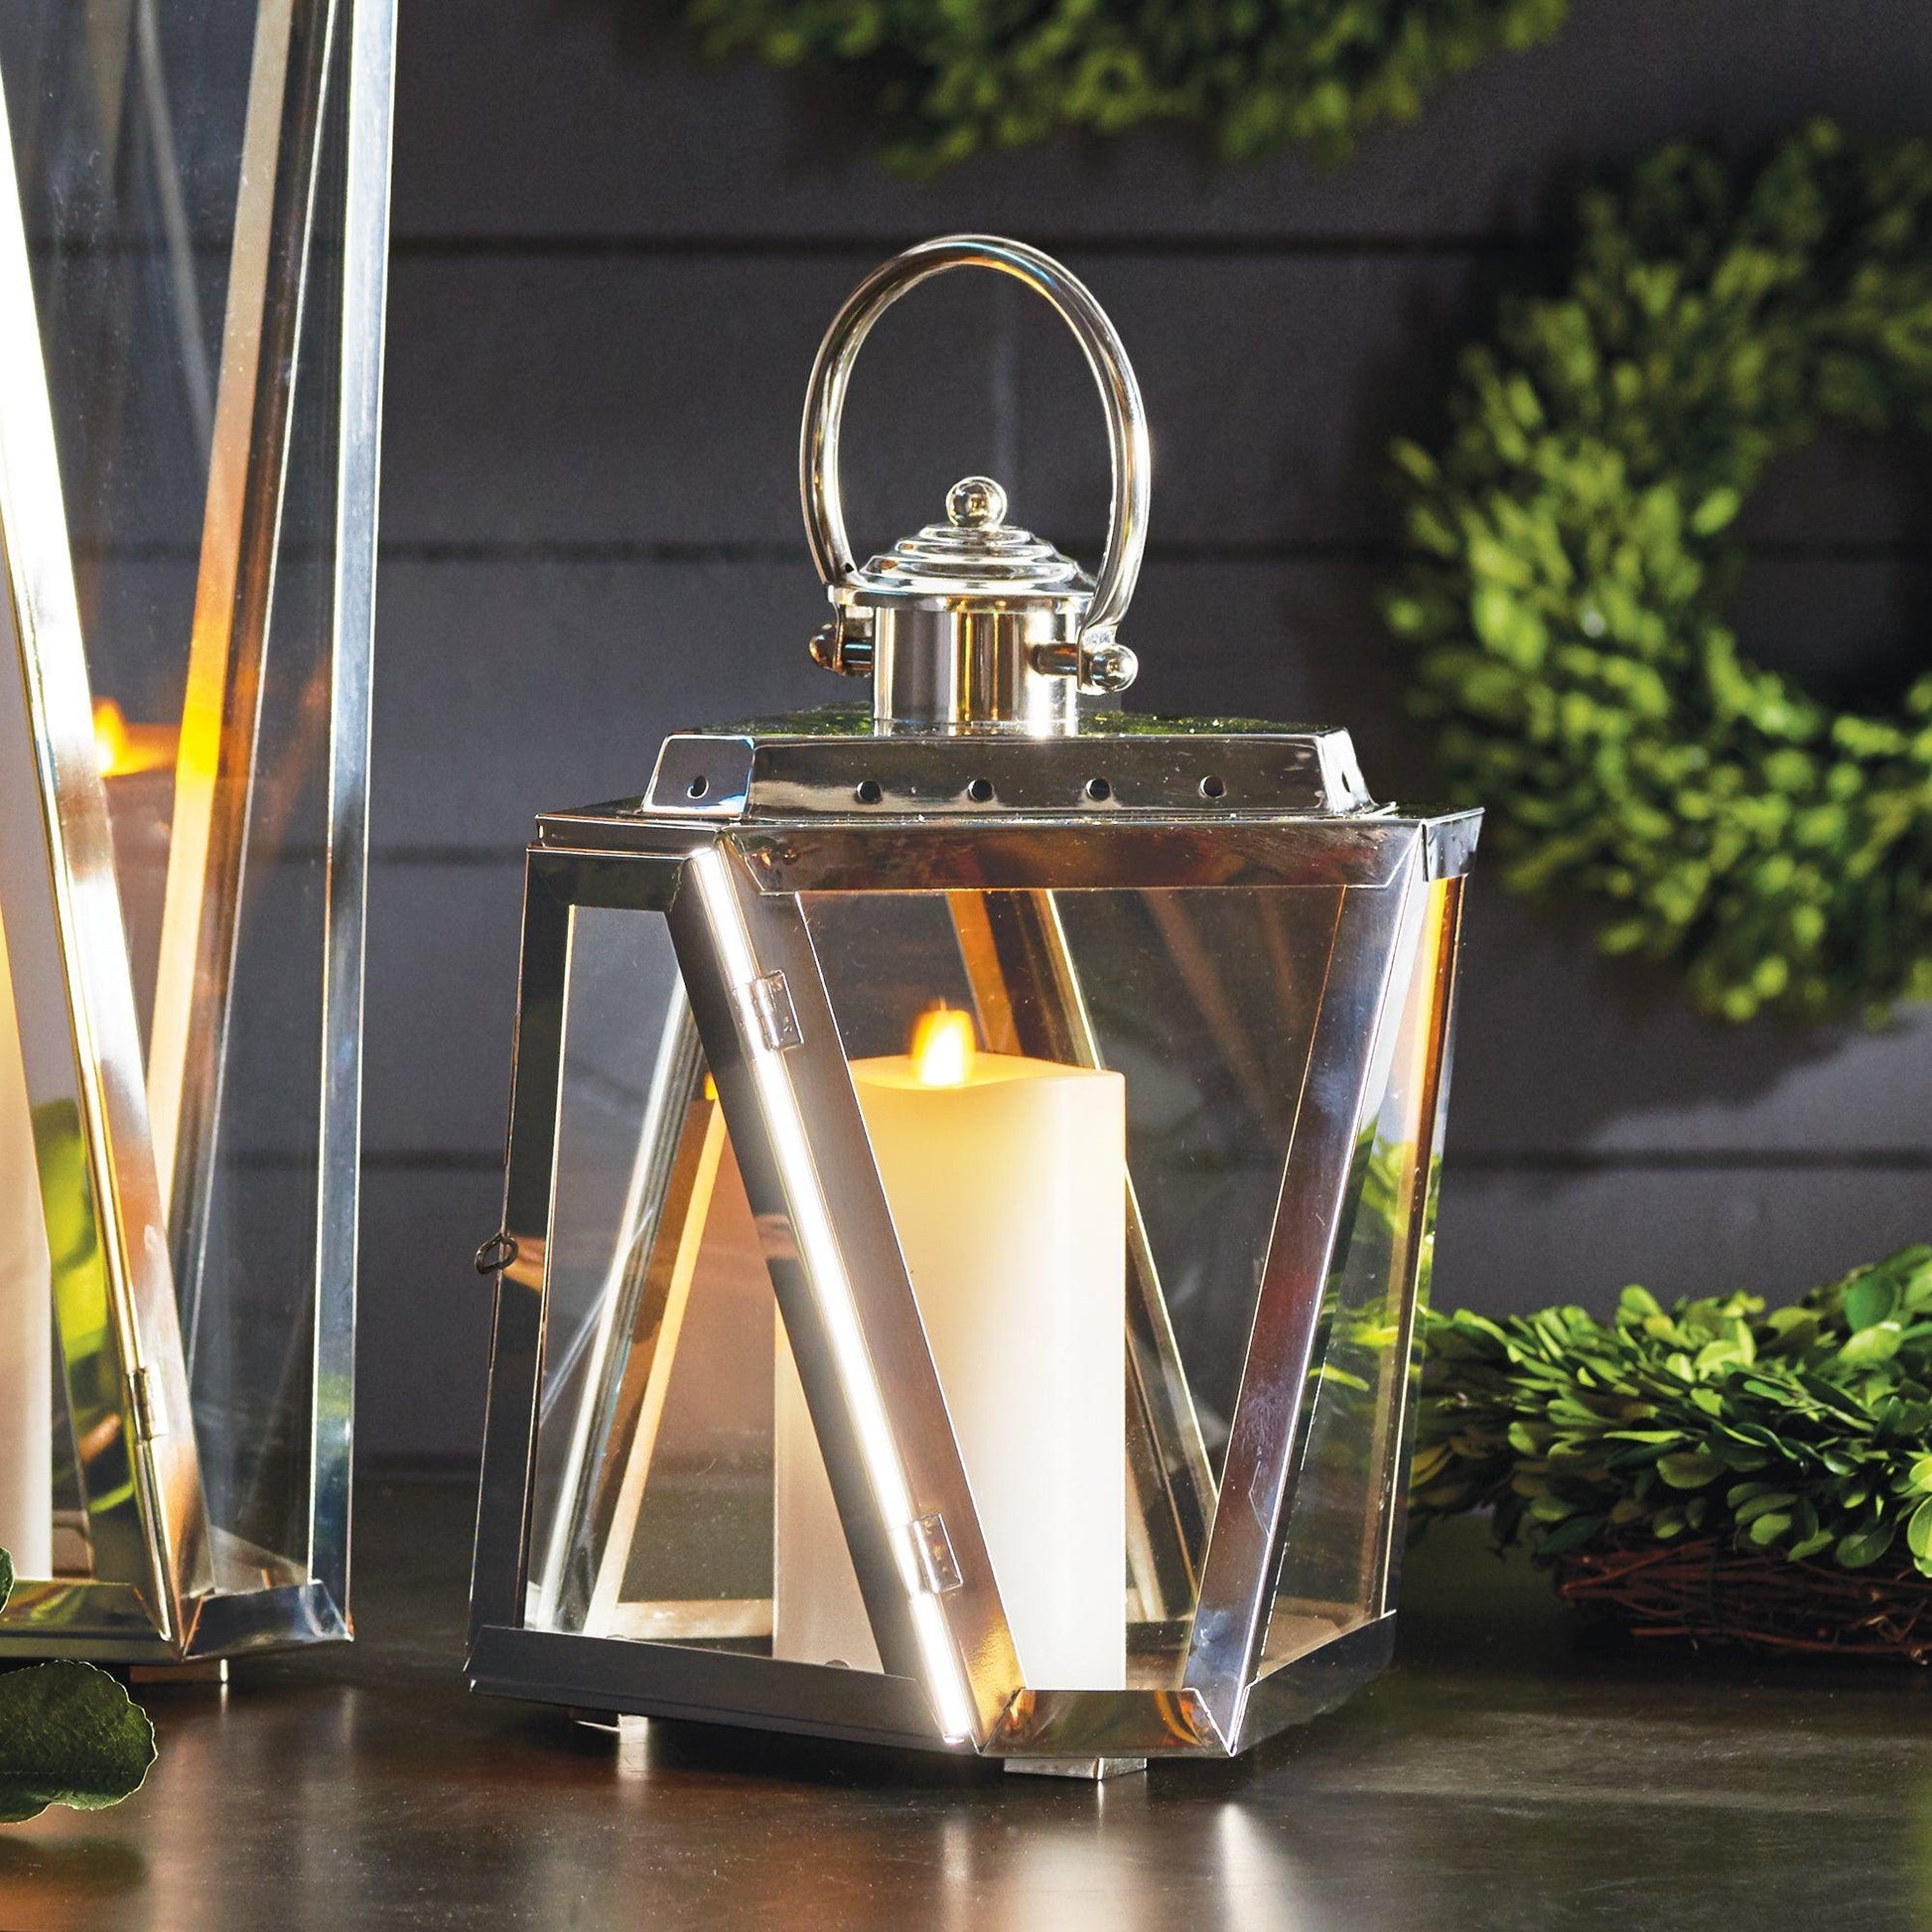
[[1007, 1181], [26, 1317]]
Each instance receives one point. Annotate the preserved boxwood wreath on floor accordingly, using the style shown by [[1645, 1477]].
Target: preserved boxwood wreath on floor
[[1577, 553], [1717, 1469], [947, 81]]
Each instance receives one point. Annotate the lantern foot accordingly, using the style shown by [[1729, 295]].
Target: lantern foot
[[1095, 1769]]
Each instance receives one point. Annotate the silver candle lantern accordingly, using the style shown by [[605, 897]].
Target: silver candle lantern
[[971, 1176], [194, 207]]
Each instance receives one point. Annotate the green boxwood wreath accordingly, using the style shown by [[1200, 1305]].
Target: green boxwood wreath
[[1576, 553], [947, 81]]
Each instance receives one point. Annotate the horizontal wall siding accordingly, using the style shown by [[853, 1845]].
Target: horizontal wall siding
[[612, 271]]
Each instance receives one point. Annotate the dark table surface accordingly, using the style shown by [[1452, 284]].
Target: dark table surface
[[1503, 1774]]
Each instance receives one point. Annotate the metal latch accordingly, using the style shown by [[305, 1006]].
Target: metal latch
[[769, 1014], [498, 1253], [932, 1552]]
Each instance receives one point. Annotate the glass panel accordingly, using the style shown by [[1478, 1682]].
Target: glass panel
[[65, 1480], [128, 121], [1344, 1513], [248, 1194], [652, 1512], [1081, 1106], [1088, 1315], [27, 1359]]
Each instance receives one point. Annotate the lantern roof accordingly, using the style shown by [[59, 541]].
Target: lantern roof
[[974, 560]]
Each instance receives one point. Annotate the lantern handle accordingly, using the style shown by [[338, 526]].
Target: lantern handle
[[1120, 394]]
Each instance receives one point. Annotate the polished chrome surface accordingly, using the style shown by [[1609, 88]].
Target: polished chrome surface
[[951, 856], [667, 1680], [168, 1577], [971, 622], [115, 1312], [1200, 1684], [849, 1311], [834, 765], [369, 118], [974, 554], [1397, 1425], [978, 796], [1230, 1624], [1314, 1685]]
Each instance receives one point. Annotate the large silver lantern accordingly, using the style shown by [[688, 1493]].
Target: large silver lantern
[[193, 226], [971, 1174]]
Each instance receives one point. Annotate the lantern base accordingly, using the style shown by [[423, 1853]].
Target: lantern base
[[1094, 1769], [1059, 1734]]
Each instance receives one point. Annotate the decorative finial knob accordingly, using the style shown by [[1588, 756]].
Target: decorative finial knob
[[976, 503]]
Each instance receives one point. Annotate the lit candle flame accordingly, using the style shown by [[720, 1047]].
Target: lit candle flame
[[943, 1047], [121, 748]]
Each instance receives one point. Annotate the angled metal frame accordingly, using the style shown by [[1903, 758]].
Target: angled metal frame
[[369, 118], [1230, 1625], [763, 1016], [1416, 1235], [847, 1300]]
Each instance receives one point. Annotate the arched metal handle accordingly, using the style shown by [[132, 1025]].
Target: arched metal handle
[[818, 447]]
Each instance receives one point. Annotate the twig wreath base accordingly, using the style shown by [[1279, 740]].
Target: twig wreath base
[[1577, 556], [1706, 1591]]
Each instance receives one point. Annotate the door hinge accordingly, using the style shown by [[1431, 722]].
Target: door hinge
[[937, 1567], [150, 1416], [768, 1012]]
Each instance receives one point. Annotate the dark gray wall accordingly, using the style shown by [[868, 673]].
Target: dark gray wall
[[610, 272]]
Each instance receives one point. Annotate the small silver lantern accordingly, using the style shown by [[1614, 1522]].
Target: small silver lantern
[[971, 1177]]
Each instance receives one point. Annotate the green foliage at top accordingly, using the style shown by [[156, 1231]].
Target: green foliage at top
[[1576, 557], [69, 1736], [949, 80], [1806, 1430]]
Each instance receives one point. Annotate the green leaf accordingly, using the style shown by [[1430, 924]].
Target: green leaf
[[1690, 1469], [1715, 512], [69, 1736], [7, 1577], [1878, 1343], [1869, 1302], [1567, 1536], [1864, 1547], [1919, 1533]]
